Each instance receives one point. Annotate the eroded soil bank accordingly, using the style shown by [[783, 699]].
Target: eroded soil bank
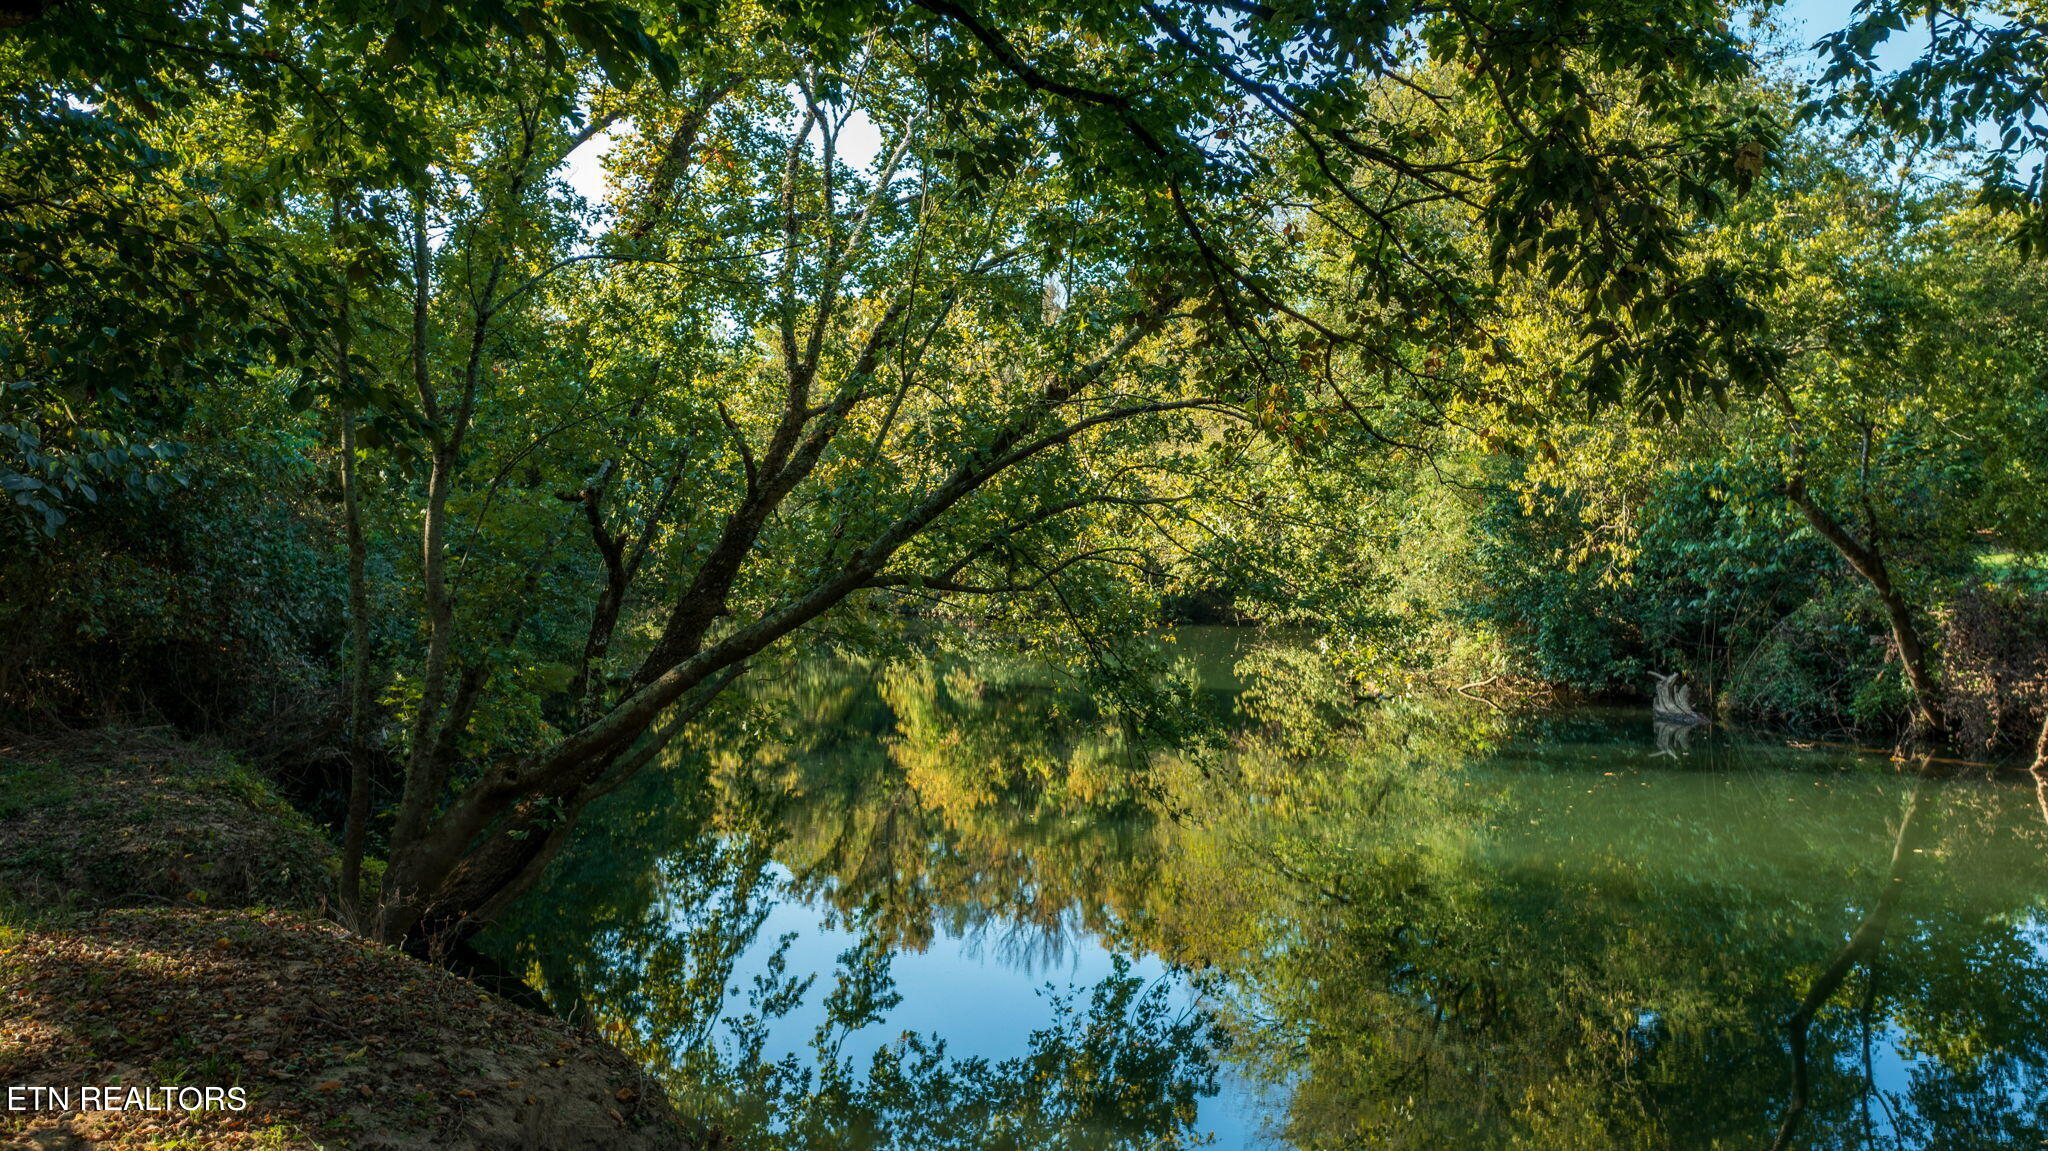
[[134, 955]]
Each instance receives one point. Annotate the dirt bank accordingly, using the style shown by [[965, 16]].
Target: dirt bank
[[112, 819], [114, 974], [336, 1042]]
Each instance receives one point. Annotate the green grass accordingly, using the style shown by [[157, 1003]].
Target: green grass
[[29, 784], [18, 917], [2027, 571], [132, 816]]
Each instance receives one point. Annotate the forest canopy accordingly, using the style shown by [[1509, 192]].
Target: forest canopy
[[1534, 346]]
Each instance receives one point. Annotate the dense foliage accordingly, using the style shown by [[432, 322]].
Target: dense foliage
[[1830, 553], [1518, 342]]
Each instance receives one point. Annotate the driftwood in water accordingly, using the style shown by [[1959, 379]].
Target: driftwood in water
[[1674, 700]]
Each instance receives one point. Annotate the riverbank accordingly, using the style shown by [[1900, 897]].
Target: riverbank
[[160, 929]]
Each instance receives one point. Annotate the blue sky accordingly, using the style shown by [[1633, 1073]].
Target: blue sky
[[1816, 17]]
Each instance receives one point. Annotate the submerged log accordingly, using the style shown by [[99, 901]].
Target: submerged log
[[1673, 703]]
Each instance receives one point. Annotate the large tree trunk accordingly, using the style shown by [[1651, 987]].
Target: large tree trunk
[[355, 827], [423, 769], [1868, 562], [487, 871], [455, 864]]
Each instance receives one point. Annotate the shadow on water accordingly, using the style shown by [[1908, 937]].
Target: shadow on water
[[950, 904]]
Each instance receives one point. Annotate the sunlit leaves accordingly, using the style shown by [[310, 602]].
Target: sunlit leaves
[[1974, 88]]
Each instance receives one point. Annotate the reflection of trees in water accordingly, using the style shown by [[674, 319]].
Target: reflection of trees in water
[[1435, 927], [1035, 948], [1610, 962], [969, 818], [644, 923], [1861, 949]]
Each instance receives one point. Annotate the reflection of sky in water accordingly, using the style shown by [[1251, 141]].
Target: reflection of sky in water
[[2035, 934], [1894, 1062], [1771, 853], [985, 988], [984, 992], [1891, 1075]]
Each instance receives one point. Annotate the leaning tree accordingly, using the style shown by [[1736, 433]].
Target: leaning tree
[[902, 301]]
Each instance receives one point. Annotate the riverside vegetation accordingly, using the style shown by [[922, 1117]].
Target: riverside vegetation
[[485, 562]]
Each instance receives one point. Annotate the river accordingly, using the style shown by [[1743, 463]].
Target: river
[[937, 903]]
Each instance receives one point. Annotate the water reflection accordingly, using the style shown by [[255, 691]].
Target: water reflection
[[1673, 739], [1416, 926]]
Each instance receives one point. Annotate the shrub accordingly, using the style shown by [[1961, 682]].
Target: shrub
[[1994, 663]]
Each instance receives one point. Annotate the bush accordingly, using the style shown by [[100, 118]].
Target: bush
[[1712, 562], [221, 608], [1821, 669], [1994, 663]]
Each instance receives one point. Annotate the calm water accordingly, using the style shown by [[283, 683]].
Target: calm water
[[952, 903]]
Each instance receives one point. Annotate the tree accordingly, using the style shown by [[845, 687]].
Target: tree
[[140, 269], [1042, 322], [1900, 426], [1972, 97], [889, 403], [1911, 390]]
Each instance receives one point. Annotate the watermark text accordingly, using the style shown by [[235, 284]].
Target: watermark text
[[32, 1098]]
